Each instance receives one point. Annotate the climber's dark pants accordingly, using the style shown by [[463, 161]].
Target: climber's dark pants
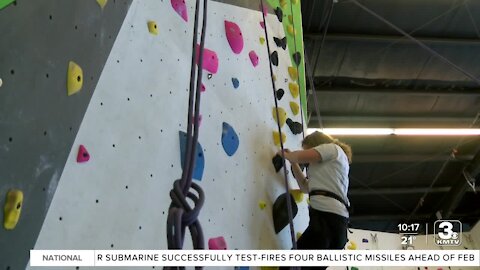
[[325, 231]]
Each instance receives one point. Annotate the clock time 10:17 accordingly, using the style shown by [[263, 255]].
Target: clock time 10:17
[[408, 228]]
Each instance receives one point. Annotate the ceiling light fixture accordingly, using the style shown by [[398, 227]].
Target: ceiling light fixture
[[399, 131]]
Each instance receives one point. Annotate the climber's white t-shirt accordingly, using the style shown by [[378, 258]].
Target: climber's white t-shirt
[[330, 174]]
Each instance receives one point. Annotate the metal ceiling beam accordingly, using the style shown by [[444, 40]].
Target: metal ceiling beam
[[418, 42], [399, 191], [383, 158], [392, 38], [394, 91], [461, 186]]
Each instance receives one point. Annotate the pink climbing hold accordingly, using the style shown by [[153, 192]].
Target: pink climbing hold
[[210, 60], [180, 7], [253, 58], [262, 24], [234, 36], [83, 155], [217, 243], [203, 88]]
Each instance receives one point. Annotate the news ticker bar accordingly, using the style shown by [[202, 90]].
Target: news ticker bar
[[255, 258]]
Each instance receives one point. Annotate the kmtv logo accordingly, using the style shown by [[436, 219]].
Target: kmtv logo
[[448, 232]]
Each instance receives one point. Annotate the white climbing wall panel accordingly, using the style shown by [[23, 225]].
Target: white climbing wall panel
[[120, 198]]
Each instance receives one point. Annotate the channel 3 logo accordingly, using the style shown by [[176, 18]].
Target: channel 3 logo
[[448, 232]]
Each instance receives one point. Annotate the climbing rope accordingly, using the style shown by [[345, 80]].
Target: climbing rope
[[181, 215], [289, 201]]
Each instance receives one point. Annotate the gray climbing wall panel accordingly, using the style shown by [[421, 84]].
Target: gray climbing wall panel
[[38, 122]]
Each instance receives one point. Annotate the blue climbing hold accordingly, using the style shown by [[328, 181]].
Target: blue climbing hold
[[230, 140], [235, 82], [199, 159]]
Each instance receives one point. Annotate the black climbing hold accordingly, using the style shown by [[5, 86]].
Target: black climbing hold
[[280, 93], [279, 13], [277, 161], [274, 58], [209, 76], [297, 58], [282, 43], [295, 127], [280, 212]]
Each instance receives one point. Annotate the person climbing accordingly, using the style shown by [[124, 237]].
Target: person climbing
[[327, 185]]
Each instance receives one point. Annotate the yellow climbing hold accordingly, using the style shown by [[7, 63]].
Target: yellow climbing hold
[[293, 89], [13, 208], [294, 107], [262, 204], [276, 138], [297, 195], [293, 73], [299, 234], [282, 114], [290, 30], [262, 40], [352, 246], [274, 77], [74, 78], [290, 19], [102, 3], [152, 27], [283, 3]]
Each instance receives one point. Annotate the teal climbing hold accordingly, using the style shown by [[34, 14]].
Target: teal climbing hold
[[199, 158], [230, 139], [235, 83], [279, 211]]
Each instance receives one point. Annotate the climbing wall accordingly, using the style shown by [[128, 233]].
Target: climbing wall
[[119, 198], [38, 121]]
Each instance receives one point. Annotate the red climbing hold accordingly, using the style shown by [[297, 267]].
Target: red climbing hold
[[180, 7], [210, 60], [82, 155], [217, 243], [234, 36], [262, 24], [203, 88], [253, 58]]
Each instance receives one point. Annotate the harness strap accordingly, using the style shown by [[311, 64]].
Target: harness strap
[[330, 194]]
